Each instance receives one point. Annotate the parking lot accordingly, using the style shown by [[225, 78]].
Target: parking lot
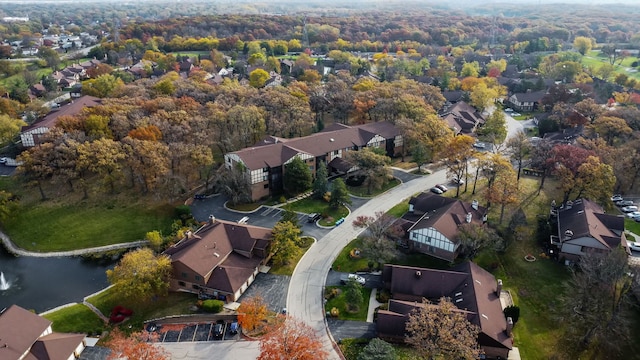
[[195, 332]]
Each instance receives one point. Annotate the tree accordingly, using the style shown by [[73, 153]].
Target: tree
[[470, 69], [103, 86], [611, 128], [582, 44], [233, 182], [594, 180], [258, 77], [8, 205], [291, 339], [442, 331], [494, 129], [339, 194], [378, 349], [482, 96], [155, 239], [297, 176], [373, 166], [456, 157], [519, 148], [141, 275], [597, 305], [290, 216], [378, 241], [252, 312], [475, 238], [503, 192], [321, 183], [135, 346], [286, 237], [9, 128]]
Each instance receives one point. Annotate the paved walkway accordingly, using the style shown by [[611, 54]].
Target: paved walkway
[[12, 248], [373, 305], [305, 300]]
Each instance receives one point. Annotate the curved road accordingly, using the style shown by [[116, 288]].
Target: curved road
[[305, 298]]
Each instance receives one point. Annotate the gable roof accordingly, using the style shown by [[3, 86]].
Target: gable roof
[[462, 117], [281, 150], [71, 109], [441, 213], [55, 346], [469, 287], [534, 96], [19, 330], [584, 218]]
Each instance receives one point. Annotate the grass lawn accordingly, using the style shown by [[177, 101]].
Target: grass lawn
[[310, 205], [362, 191], [399, 209], [76, 319], [345, 263], [632, 226], [341, 303], [175, 303], [288, 269], [8, 81], [48, 226], [244, 207], [596, 61]]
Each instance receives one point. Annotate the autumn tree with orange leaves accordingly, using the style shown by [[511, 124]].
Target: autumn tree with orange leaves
[[252, 312], [291, 339], [134, 347]]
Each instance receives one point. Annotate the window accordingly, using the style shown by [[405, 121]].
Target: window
[[184, 275], [415, 235], [181, 283], [198, 278], [266, 186], [195, 287]]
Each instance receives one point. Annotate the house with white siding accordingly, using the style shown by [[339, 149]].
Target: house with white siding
[[583, 227], [432, 223]]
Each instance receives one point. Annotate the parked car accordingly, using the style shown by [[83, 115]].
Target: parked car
[[616, 198], [436, 190], [233, 328], [515, 114], [624, 203], [218, 329], [480, 145], [313, 217], [508, 110], [633, 214], [442, 187], [633, 245], [457, 181], [346, 277], [628, 209]]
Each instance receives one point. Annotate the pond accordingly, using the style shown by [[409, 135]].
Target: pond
[[41, 284]]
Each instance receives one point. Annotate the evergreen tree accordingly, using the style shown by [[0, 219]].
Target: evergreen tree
[[297, 176], [321, 184]]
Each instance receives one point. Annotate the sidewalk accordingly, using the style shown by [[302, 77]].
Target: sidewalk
[[373, 305]]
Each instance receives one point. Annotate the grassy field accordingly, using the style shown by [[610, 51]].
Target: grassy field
[[76, 319], [9, 81], [172, 304], [57, 227], [340, 303], [592, 59], [362, 191], [310, 205], [632, 226]]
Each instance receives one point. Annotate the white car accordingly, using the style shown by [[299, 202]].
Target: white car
[[508, 110], [628, 209], [633, 245], [480, 145], [359, 279], [633, 214], [616, 198], [515, 114], [457, 181], [437, 190]]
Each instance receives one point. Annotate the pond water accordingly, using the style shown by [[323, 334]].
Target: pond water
[[45, 283]]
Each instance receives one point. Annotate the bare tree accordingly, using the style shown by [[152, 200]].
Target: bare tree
[[475, 238], [519, 148], [381, 229]]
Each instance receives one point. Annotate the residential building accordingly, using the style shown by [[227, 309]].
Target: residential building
[[432, 224], [473, 290], [220, 260], [528, 101], [30, 135], [583, 227], [462, 117], [264, 162], [25, 335]]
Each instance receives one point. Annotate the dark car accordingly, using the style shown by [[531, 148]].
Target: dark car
[[218, 329], [233, 328]]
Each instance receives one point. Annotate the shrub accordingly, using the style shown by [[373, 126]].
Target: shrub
[[282, 199], [183, 212], [335, 312], [212, 306], [513, 312]]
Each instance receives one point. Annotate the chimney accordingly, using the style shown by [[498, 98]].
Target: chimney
[[509, 326], [212, 219], [474, 204], [411, 208], [499, 288], [468, 218], [418, 274]]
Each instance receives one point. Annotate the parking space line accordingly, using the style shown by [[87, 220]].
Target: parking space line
[[266, 212], [277, 213]]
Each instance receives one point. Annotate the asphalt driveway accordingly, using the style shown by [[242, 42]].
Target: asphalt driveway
[[272, 288]]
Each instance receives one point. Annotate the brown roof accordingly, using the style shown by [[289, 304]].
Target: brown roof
[[280, 150], [19, 330], [468, 286], [71, 109], [223, 252], [585, 218], [55, 346], [441, 213], [462, 117]]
